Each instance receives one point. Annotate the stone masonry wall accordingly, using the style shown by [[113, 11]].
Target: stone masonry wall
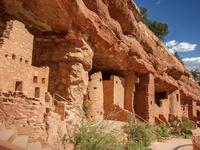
[[144, 98], [95, 92], [130, 82], [118, 90], [69, 60], [30, 117], [113, 93], [175, 104], [18, 41], [108, 96], [15, 64], [24, 114]]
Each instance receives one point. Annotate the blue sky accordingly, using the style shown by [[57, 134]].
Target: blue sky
[[183, 19]]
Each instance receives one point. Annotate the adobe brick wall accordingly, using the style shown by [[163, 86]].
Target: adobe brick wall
[[162, 112], [170, 106], [108, 96], [30, 117], [113, 94], [118, 91], [60, 109], [120, 114], [24, 114], [70, 60], [175, 108], [130, 82], [144, 98], [18, 41], [96, 97], [194, 108], [15, 62], [186, 107]]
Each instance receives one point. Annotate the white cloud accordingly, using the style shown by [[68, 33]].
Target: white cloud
[[176, 46], [171, 50], [171, 43], [192, 63]]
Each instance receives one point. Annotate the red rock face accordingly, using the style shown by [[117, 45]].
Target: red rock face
[[110, 29], [74, 37]]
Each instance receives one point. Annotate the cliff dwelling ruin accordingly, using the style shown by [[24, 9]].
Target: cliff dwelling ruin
[[86, 54]]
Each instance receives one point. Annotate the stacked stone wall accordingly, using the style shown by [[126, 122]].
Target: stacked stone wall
[[144, 98], [16, 60], [31, 117], [96, 95], [18, 41], [113, 94], [24, 114]]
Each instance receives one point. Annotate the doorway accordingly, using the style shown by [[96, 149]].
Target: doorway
[[18, 86], [37, 92]]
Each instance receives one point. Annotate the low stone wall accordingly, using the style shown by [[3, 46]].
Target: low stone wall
[[24, 114], [118, 114], [31, 117]]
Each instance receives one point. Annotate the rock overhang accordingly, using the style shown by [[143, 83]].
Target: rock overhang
[[119, 44]]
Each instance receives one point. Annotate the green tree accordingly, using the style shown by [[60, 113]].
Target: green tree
[[178, 57], [158, 28], [196, 75], [144, 15]]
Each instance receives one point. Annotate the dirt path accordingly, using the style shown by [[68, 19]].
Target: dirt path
[[173, 144]]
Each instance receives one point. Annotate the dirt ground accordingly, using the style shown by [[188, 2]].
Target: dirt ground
[[173, 144]]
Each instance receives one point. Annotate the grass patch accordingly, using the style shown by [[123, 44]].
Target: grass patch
[[163, 131], [92, 137], [182, 127], [140, 135]]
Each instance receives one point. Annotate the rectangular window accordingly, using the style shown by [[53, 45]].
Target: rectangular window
[[37, 92], [198, 113], [160, 96], [43, 80], [35, 79], [18, 86]]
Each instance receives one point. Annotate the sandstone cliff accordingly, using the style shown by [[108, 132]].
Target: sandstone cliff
[[112, 30]]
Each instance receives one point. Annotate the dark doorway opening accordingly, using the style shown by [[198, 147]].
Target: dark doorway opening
[[106, 75], [18, 86], [160, 96], [37, 92], [198, 113]]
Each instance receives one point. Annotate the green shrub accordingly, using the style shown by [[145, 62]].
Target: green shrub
[[92, 137], [176, 126], [136, 146], [141, 134], [186, 127], [163, 130], [182, 127]]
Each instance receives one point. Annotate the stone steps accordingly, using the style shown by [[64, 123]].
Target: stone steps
[[7, 134], [20, 142]]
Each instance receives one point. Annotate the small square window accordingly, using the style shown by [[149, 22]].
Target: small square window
[[20, 59], [35, 79], [26, 61], [43, 80], [13, 56], [18, 86]]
